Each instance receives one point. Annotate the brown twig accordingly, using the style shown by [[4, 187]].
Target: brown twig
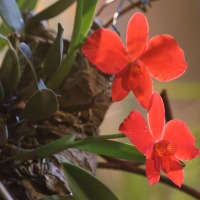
[[129, 166], [123, 11], [121, 162], [168, 112]]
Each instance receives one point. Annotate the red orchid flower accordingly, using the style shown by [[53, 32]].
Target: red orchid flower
[[161, 58], [161, 146]]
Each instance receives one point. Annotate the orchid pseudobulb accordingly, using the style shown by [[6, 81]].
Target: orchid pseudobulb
[[161, 146], [161, 58]]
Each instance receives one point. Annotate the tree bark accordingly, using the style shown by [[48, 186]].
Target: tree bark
[[84, 99]]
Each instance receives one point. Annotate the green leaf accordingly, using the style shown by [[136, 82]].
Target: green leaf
[[5, 33], [68, 61], [88, 13], [11, 15], [84, 16], [85, 186], [10, 69], [53, 59], [3, 30], [1, 93], [51, 11], [26, 5], [42, 104], [5, 70], [25, 50], [64, 69], [58, 197], [109, 148], [55, 147], [77, 25]]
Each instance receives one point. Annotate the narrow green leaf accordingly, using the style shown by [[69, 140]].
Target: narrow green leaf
[[109, 148], [64, 69], [88, 13], [55, 147], [10, 69], [42, 104], [5, 70], [85, 186], [25, 50], [51, 11], [58, 197], [11, 15], [68, 61], [1, 93], [4, 32], [77, 25], [84, 15], [53, 59], [24, 4], [9, 45], [111, 136]]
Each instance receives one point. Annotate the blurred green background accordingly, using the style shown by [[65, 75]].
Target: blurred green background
[[181, 19]]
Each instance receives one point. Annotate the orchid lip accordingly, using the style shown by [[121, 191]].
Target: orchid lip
[[136, 69], [166, 147]]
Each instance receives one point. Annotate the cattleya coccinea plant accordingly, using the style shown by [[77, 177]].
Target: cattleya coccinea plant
[[41, 66], [161, 58], [161, 146]]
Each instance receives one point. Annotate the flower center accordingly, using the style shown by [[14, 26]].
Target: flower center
[[136, 69], [166, 147]]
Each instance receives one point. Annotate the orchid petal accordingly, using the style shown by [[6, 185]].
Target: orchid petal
[[163, 58], [120, 88], [137, 35], [153, 167], [135, 128], [156, 116], [105, 50], [173, 169], [142, 87], [178, 132]]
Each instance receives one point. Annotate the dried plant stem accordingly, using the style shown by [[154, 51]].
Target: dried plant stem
[[123, 11], [129, 166], [168, 112]]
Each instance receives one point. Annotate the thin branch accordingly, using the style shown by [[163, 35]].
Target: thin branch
[[121, 162], [117, 13], [130, 167], [123, 11], [107, 2], [168, 112], [4, 193]]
